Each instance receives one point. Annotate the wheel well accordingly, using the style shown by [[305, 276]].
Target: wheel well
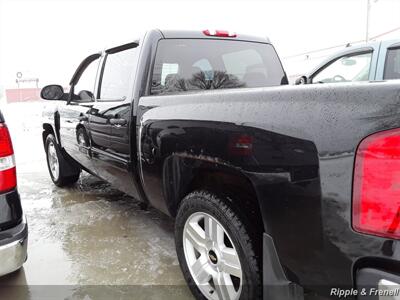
[[236, 188], [72, 167], [239, 194]]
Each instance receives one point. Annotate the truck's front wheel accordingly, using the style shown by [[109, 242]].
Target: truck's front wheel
[[214, 249], [58, 165]]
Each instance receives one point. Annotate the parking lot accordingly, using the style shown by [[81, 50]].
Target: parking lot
[[87, 241]]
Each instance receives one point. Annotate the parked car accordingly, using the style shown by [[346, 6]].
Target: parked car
[[13, 225], [365, 62], [277, 191]]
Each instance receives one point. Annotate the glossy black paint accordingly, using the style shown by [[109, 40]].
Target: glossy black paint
[[299, 166], [110, 144]]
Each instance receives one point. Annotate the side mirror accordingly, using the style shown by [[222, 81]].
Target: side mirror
[[301, 80], [52, 92]]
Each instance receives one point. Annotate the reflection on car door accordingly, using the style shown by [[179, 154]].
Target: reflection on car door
[[100, 128], [109, 127], [119, 137], [110, 118]]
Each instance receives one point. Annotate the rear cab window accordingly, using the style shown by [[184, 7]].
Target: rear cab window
[[184, 65]]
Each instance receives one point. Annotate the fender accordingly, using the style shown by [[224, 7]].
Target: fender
[[51, 123], [173, 152]]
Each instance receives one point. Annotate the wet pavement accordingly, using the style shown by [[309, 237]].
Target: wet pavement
[[88, 241]]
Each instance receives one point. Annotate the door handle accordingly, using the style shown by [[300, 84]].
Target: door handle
[[118, 122]]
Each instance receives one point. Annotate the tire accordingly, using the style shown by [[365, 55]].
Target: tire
[[214, 253], [61, 171]]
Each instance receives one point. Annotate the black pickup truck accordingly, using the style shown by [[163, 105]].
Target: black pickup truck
[[277, 191]]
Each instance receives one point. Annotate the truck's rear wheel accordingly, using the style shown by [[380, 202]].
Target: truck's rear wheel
[[215, 251], [57, 164]]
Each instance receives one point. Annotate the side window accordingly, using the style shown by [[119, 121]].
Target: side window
[[86, 84], [118, 74], [345, 69], [392, 64]]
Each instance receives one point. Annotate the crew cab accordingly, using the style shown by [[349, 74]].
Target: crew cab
[[278, 192], [365, 62], [13, 225]]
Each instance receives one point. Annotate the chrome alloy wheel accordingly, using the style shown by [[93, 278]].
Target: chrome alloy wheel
[[52, 159], [212, 258]]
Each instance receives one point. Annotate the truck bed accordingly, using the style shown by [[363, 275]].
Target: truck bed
[[305, 138]]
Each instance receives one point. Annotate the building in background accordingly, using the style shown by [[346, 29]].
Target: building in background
[[27, 90]]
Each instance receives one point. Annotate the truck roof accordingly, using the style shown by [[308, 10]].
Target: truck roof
[[199, 34], [189, 34]]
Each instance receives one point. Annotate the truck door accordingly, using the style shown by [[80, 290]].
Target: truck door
[[110, 119]]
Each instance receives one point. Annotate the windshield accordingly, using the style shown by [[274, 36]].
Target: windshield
[[205, 64]]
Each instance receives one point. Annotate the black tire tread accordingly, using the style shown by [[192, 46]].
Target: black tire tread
[[222, 203]]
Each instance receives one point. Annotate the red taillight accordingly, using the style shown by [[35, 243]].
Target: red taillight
[[241, 145], [5, 141], [376, 190], [8, 178], [219, 33]]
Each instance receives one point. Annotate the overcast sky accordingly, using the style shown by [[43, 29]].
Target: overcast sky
[[47, 39]]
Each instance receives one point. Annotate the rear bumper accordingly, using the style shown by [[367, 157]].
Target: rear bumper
[[371, 283], [13, 247], [378, 284]]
